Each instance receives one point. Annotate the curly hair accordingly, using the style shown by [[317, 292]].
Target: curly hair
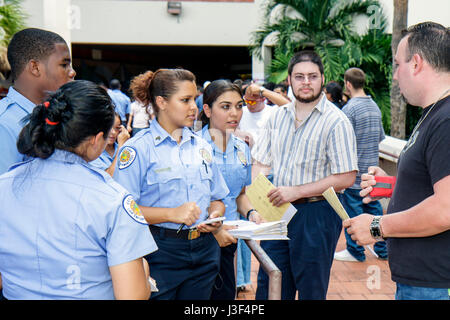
[[139, 87]]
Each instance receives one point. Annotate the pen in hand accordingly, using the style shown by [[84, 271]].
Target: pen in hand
[[191, 213], [181, 227]]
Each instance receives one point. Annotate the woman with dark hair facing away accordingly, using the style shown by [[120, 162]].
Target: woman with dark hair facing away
[[222, 111], [79, 234], [333, 91], [172, 174]]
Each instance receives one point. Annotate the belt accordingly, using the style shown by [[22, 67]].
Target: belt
[[188, 234], [310, 199]]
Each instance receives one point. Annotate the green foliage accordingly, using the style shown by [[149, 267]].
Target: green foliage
[[11, 20], [327, 26]]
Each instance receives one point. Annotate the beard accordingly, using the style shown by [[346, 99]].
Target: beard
[[312, 98]]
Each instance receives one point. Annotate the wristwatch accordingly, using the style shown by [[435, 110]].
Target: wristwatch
[[375, 229], [261, 89], [248, 213]]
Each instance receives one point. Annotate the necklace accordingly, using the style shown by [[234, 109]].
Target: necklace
[[426, 115]]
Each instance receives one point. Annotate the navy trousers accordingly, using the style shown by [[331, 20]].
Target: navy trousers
[[305, 260], [184, 269], [225, 285]]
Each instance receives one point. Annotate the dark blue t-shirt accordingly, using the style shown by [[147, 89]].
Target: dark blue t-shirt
[[422, 262]]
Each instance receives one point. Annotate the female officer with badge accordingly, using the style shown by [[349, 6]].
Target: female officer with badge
[[222, 111], [68, 230], [171, 173]]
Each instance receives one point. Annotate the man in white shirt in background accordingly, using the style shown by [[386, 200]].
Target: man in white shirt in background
[[256, 112]]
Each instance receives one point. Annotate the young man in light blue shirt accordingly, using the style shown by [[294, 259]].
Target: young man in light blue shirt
[[40, 62]]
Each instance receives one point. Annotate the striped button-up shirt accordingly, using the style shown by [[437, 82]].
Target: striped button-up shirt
[[324, 144]]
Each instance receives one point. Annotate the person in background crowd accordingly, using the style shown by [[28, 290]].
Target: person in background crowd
[[417, 224], [199, 97], [94, 249], [120, 100], [116, 138], [256, 112], [141, 109], [333, 91], [222, 111], [282, 89], [172, 174], [365, 117]]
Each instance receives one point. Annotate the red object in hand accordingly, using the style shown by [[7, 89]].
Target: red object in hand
[[384, 186]]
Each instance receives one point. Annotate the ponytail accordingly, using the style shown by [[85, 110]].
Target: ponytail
[[76, 111]]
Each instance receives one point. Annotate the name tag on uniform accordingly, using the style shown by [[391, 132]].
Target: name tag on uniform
[[168, 169]]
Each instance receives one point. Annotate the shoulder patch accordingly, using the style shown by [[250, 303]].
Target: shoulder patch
[[126, 157], [133, 210]]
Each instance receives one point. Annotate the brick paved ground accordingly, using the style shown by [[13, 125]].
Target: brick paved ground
[[348, 281]]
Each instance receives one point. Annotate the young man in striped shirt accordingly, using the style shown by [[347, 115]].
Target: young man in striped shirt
[[365, 117], [311, 145]]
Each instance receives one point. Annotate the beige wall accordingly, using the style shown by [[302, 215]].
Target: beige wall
[[148, 22], [200, 23]]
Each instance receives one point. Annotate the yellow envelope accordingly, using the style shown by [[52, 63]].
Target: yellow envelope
[[257, 194]]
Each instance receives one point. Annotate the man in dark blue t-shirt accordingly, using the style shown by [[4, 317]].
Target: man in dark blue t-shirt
[[417, 226]]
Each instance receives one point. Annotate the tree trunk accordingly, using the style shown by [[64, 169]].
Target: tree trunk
[[398, 105]]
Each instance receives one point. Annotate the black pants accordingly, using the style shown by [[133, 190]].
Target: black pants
[[305, 260], [184, 269], [225, 285]]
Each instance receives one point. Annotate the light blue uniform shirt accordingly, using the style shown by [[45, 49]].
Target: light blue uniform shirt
[[159, 172], [13, 108], [105, 160], [121, 102], [63, 223], [235, 166]]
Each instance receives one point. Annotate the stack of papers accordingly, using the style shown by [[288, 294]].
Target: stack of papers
[[274, 230]]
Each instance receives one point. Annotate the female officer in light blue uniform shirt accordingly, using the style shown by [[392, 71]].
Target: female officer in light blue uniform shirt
[[68, 231], [171, 173], [222, 112]]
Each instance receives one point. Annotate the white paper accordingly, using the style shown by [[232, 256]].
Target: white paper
[[274, 230], [287, 216], [212, 220], [153, 287]]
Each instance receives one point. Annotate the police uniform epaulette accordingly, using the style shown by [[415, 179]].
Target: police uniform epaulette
[[107, 179], [99, 172]]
